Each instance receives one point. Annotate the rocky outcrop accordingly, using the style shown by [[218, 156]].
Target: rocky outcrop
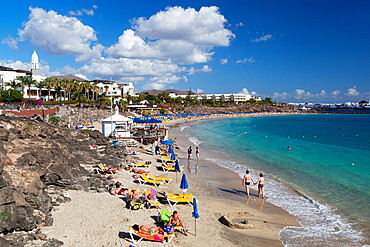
[[39, 160]]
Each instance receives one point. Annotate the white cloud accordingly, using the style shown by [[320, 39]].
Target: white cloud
[[206, 69], [82, 11], [44, 66], [160, 82], [246, 60], [204, 27], [335, 93], [154, 52], [57, 34], [245, 91], [76, 13], [262, 38], [352, 92], [322, 93], [281, 96], [11, 42], [253, 93], [301, 94], [223, 61], [192, 70], [240, 24], [199, 90]]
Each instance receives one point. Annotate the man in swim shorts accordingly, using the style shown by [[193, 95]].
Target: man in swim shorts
[[247, 182], [189, 153], [173, 221]]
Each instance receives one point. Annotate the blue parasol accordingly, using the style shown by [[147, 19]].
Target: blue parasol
[[184, 184], [173, 157], [170, 151], [195, 213], [177, 168], [167, 142]]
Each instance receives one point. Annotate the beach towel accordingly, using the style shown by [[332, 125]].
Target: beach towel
[[165, 216]]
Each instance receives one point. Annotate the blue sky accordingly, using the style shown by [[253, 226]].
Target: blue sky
[[300, 51]]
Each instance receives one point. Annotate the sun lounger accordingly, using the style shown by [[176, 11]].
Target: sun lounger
[[167, 168], [151, 202], [143, 179], [173, 199], [142, 236], [166, 159], [134, 205], [164, 179], [161, 152], [136, 164]]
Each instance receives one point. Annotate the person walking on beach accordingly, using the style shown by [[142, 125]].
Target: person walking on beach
[[261, 184], [247, 182], [189, 153], [197, 153]]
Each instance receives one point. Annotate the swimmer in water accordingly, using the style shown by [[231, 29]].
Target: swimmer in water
[[289, 148]]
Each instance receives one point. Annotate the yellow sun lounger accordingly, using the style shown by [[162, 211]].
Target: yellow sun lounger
[[142, 236], [167, 159], [164, 179], [163, 153], [144, 180], [164, 216], [136, 164], [151, 202], [167, 168], [173, 199]]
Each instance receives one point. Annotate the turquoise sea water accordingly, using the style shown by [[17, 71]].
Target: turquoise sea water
[[329, 163]]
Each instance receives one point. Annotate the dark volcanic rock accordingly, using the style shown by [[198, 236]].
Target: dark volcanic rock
[[37, 158]]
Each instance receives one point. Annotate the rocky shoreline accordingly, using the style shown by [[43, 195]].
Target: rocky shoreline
[[38, 162]]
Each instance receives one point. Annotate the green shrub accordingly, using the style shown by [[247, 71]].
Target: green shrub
[[54, 119], [15, 95]]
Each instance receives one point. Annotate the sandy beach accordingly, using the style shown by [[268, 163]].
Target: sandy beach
[[100, 219]]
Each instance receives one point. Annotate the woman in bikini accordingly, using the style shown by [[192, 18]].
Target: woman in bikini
[[247, 181], [261, 184]]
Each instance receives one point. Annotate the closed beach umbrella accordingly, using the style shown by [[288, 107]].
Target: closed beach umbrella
[[184, 184], [170, 151], [195, 213], [177, 168], [173, 157]]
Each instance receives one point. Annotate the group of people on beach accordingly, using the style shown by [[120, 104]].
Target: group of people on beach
[[190, 151], [247, 182]]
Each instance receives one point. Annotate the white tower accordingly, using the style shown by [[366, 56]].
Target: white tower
[[35, 64]]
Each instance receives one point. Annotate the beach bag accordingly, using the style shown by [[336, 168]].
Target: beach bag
[[136, 206], [169, 229]]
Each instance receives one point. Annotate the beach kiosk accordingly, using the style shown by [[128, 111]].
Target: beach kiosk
[[117, 125]]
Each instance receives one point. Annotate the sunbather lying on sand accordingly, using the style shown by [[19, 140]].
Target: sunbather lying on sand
[[118, 190], [151, 230], [139, 171]]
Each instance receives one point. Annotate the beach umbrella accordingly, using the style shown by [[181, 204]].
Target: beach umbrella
[[173, 157], [195, 213], [177, 168], [167, 142], [184, 184], [170, 151]]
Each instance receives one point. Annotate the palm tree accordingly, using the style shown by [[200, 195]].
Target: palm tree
[[40, 85], [58, 87], [49, 85], [29, 82], [14, 84], [22, 82]]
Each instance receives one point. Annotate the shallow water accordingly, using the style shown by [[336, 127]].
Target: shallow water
[[328, 164]]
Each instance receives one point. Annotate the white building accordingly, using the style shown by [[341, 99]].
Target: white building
[[10, 74], [117, 125]]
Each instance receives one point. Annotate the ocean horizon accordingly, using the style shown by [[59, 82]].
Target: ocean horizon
[[322, 179]]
